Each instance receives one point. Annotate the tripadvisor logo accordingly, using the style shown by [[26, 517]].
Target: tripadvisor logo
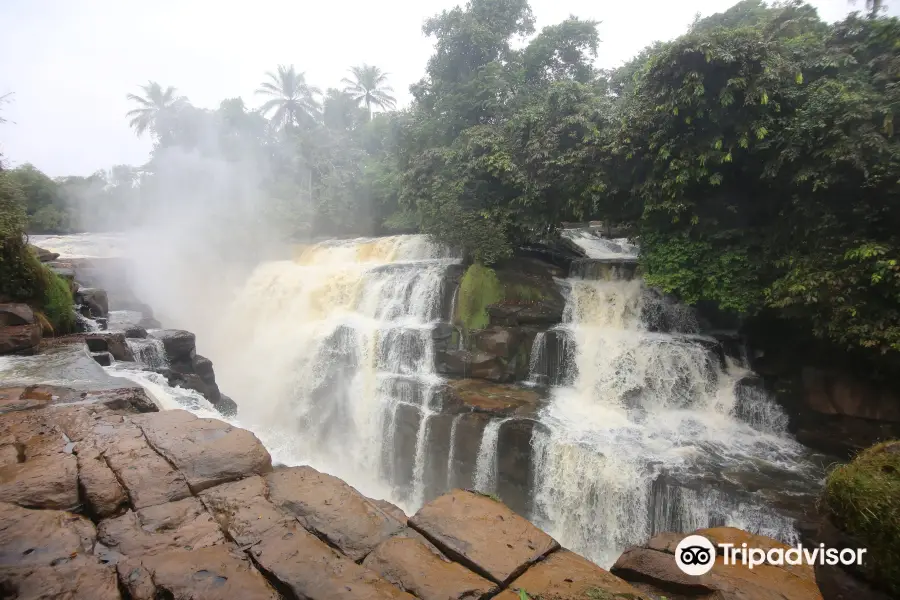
[[696, 555]]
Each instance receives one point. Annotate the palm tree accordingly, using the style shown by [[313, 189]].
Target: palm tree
[[292, 98], [369, 86], [154, 101]]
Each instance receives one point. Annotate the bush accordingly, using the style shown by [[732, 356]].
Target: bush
[[56, 302], [478, 289], [863, 499]]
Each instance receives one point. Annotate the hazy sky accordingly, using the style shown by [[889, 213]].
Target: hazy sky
[[71, 62]]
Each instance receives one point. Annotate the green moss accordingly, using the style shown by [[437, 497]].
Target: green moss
[[478, 289], [863, 499], [56, 302]]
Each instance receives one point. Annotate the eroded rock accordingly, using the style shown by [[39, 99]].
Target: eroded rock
[[241, 509], [41, 482], [331, 509], [102, 492], [482, 534], [36, 538], [12, 313], [20, 339]]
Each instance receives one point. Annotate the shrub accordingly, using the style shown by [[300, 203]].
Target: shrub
[[863, 499]]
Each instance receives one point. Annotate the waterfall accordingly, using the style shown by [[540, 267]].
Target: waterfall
[[149, 352], [649, 414], [486, 464], [331, 358]]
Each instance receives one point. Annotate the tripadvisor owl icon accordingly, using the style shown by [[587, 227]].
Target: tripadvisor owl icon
[[695, 555]]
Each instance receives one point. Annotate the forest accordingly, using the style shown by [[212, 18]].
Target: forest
[[754, 158]]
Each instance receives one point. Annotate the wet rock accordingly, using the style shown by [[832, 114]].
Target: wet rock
[[35, 538], [482, 534], [242, 510], [43, 255], [499, 341], [29, 397], [102, 492], [135, 332], [20, 339], [113, 342], [95, 299], [180, 347], [495, 399], [215, 573], [180, 525], [82, 581], [835, 393], [566, 576], [464, 453], [515, 464], [653, 568], [466, 363], [310, 569], [206, 451], [226, 406], [402, 452], [411, 566], [15, 314], [41, 482], [129, 399], [331, 509], [148, 478], [104, 359], [391, 509]]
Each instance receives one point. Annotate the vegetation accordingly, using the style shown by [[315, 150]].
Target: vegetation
[[863, 499], [478, 289]]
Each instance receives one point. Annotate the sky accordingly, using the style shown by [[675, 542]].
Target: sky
[[70, 63]]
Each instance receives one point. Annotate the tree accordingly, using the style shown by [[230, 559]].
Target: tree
[[369, 86], [292, 100], [151, 105]]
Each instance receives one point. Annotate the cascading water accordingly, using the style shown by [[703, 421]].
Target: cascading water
[[331, 358], [149, 351], [649, 413]]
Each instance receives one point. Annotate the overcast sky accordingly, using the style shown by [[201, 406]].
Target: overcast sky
[[71, 62]]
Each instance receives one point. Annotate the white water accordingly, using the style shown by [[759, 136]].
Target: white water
[[486, 464], [595, 246]]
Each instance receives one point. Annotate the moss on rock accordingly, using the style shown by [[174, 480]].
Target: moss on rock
[[480, 287], [56, 302], [863, 499]]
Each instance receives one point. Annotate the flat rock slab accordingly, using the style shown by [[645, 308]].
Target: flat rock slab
[[310, 569], [43, 482], [216, 573], [103, 493], [181, 525], [482, 534], [148, 478], [36, 538], [331, 509], [413, 567], [207, 451], [89, 581], [241, 509], [565, 575]]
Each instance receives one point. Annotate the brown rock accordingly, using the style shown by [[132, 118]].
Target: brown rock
[[312, 570], [482, 534], [482, 396], [33, 396], [115, 343], [15, 314], [477, 364], [102, 491], [241, 508], [84, 581], [181, 525], [215, 573], [207, 451], [391, 509], [20, 339], [411, 566], [566, 576], [148, 478], [41, 482], [836, 393], [34, 538], [331, 509]]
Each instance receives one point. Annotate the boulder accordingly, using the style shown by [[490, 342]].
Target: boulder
[[103, 493], [113, 342], [465, 395], [653, 568], [390, 509], [43, 255], [331, 509], [183, 524], [148, 478], [835, 393], [214, 573], [41, 482], [242, 510], [414, 568], [82, 581], [37, 538], [306, 566], [104, 359], [20, 339], [95, 299], [226, 406], [15, 314], [135, 332], [180, 347], [566, 576], [482, 534], [207, 451], [466, 363]]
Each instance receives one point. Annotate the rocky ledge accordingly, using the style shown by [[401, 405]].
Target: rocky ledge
[[100, 500]]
